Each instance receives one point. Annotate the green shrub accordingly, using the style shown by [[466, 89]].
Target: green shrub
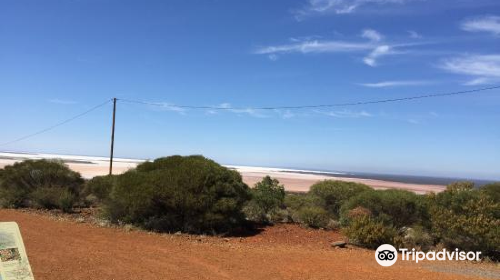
[[308, 210], [267, 199], [366, 231], [53, 198], [189, 194], [281, 216], [359, 211], [418, 238], [295, 201], [492, 190], [303, 209], [334, 193], [460, 186], [333, 225], [97, 189], [40, 183], [66, 200], [465, 218], [396, 208], [312, 216]]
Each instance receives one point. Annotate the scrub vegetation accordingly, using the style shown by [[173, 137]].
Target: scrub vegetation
[[194, 194]]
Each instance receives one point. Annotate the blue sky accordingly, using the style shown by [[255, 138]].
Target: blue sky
[[59, 58]]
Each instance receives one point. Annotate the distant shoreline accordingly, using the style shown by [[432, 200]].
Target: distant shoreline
[[414, 179], [294, 179]]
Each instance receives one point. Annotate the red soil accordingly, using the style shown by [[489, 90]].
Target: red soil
[[66, 249]]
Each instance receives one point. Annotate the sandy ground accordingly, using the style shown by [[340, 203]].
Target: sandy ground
[[302, 182], [64, 249], [95, 166]]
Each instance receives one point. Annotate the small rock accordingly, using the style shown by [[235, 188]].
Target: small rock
[[339, 244]]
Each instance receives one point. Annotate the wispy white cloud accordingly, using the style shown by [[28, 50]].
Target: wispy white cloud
[[345, 114], [482, 69], [385, 84], [490, 24], [409, 118], [273, 57], [371, 59], [285, 114], [372, 35], [257, 113], [413, 121], [227, 107], [481, 81], [62, 101], [170, 107], [316, 47], [250, 112], [309, 38], [373, 48], [321, 7], [414, 34]]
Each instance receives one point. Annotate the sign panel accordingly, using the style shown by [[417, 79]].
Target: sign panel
[[13, 259]]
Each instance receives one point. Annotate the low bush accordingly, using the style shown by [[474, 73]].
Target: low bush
[[54, 198], [492, 190], [307, 210], [98, 189], [395, 208], [267, 199], [333, 225], [333, 193], [295, 201], [367, 231], [313, 216], [40, 183], [357, 212], [466, 218], [418, 238], [190, 194]]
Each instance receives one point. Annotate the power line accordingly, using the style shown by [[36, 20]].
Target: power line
[[57, 124], [357, 103]]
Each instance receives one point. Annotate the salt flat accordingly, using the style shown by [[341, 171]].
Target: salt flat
[[293, 179]]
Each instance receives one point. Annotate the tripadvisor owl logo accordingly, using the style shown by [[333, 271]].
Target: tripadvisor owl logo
[[386, 255]]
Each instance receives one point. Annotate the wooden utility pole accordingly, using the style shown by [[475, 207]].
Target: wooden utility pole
[[112, 138]]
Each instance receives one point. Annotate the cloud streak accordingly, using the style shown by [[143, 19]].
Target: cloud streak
[[62, 102], [414, 34], [489, 24], [226, 107], [371, 59], [339, 7], [386, 84], [345, 114], [372, 35], [373, 48], [165, 106], [316, 46], [482, 69]]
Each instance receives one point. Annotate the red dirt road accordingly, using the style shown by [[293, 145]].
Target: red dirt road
[[67, 250]]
